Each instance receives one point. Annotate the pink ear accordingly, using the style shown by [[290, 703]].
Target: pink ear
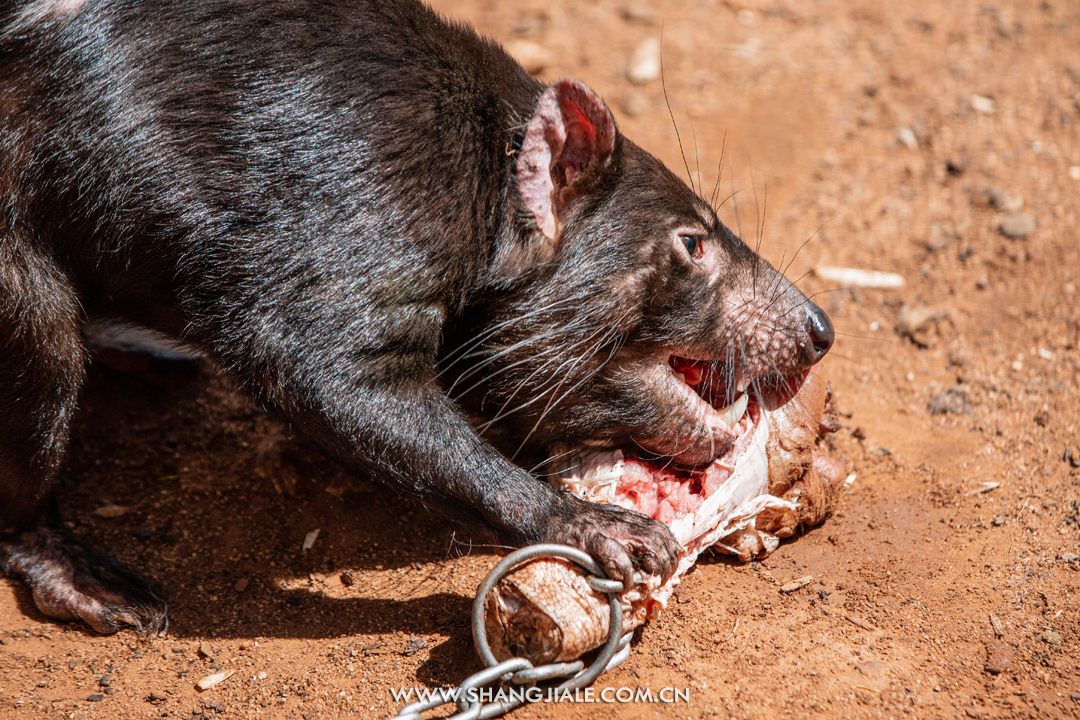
[[566, 143]]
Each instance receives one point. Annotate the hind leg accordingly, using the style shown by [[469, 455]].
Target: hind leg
[[41, 370]]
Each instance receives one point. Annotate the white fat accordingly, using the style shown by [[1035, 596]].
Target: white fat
[[595, 476], [41, 11], [748, 482], [734, 506]]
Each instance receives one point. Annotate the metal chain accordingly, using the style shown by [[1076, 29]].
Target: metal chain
[[517, 677]]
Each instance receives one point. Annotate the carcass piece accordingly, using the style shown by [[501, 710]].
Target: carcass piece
[[777, 477]]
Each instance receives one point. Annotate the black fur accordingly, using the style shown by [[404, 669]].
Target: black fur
[[323, 197]]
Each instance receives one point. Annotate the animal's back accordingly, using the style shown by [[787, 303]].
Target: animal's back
[[182, 142]]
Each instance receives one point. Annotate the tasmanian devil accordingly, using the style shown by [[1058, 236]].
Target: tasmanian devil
[[388, 234]]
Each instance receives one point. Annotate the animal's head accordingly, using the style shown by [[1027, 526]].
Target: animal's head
[[633, 313]]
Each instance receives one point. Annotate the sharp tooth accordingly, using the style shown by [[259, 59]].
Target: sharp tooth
[[733, 413]]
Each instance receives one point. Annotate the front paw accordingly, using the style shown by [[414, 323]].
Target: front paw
[[621, 540]]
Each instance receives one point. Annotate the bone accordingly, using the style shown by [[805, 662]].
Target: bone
[[546, 612]]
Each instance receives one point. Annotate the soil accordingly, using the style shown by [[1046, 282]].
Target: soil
[[939, 141]]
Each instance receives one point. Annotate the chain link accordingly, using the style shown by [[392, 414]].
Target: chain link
[[517, 677]]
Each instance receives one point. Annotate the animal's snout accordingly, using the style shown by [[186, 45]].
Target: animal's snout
[[819, 335]]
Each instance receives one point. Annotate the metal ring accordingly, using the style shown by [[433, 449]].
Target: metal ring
[[567, 553], [493, 673], [547, 672], [415, 709]]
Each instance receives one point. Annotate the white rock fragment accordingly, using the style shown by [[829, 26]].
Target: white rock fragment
[[907, 136], [984, 488], [645, 62], [910, 320], [1017, 227], [796, 584], [1074, 172], [216, 679], [982, 104], [309, 539], [853, 277]]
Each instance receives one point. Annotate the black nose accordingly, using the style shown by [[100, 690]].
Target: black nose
[[819, 329]]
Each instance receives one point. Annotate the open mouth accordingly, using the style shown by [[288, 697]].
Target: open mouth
[[728, 405], [725, 391]]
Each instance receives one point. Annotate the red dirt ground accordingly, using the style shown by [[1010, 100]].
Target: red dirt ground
[[909, 138]]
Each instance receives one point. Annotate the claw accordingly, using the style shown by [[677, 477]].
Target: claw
[[71, 580], [621, 540]]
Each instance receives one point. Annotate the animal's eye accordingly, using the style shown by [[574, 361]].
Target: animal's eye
[[693, 246]]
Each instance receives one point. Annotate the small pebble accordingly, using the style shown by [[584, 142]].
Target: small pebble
[[907, 136], [95, 698], [982, 104], [634, 103], [105, 681], [1075, 696], [1017, 227], [1074, 173], [911, 321], [1070, 557], [241, 585], [645, 62], [1052, 638], [952, 401], [796, 584], [111, 511], [1072, 456], [348, 578], [957, 165], [261, 675], [205, 650], [246, 644], [211, 680], [638, 12], [156, 696], [999, 521], [989, 196]]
